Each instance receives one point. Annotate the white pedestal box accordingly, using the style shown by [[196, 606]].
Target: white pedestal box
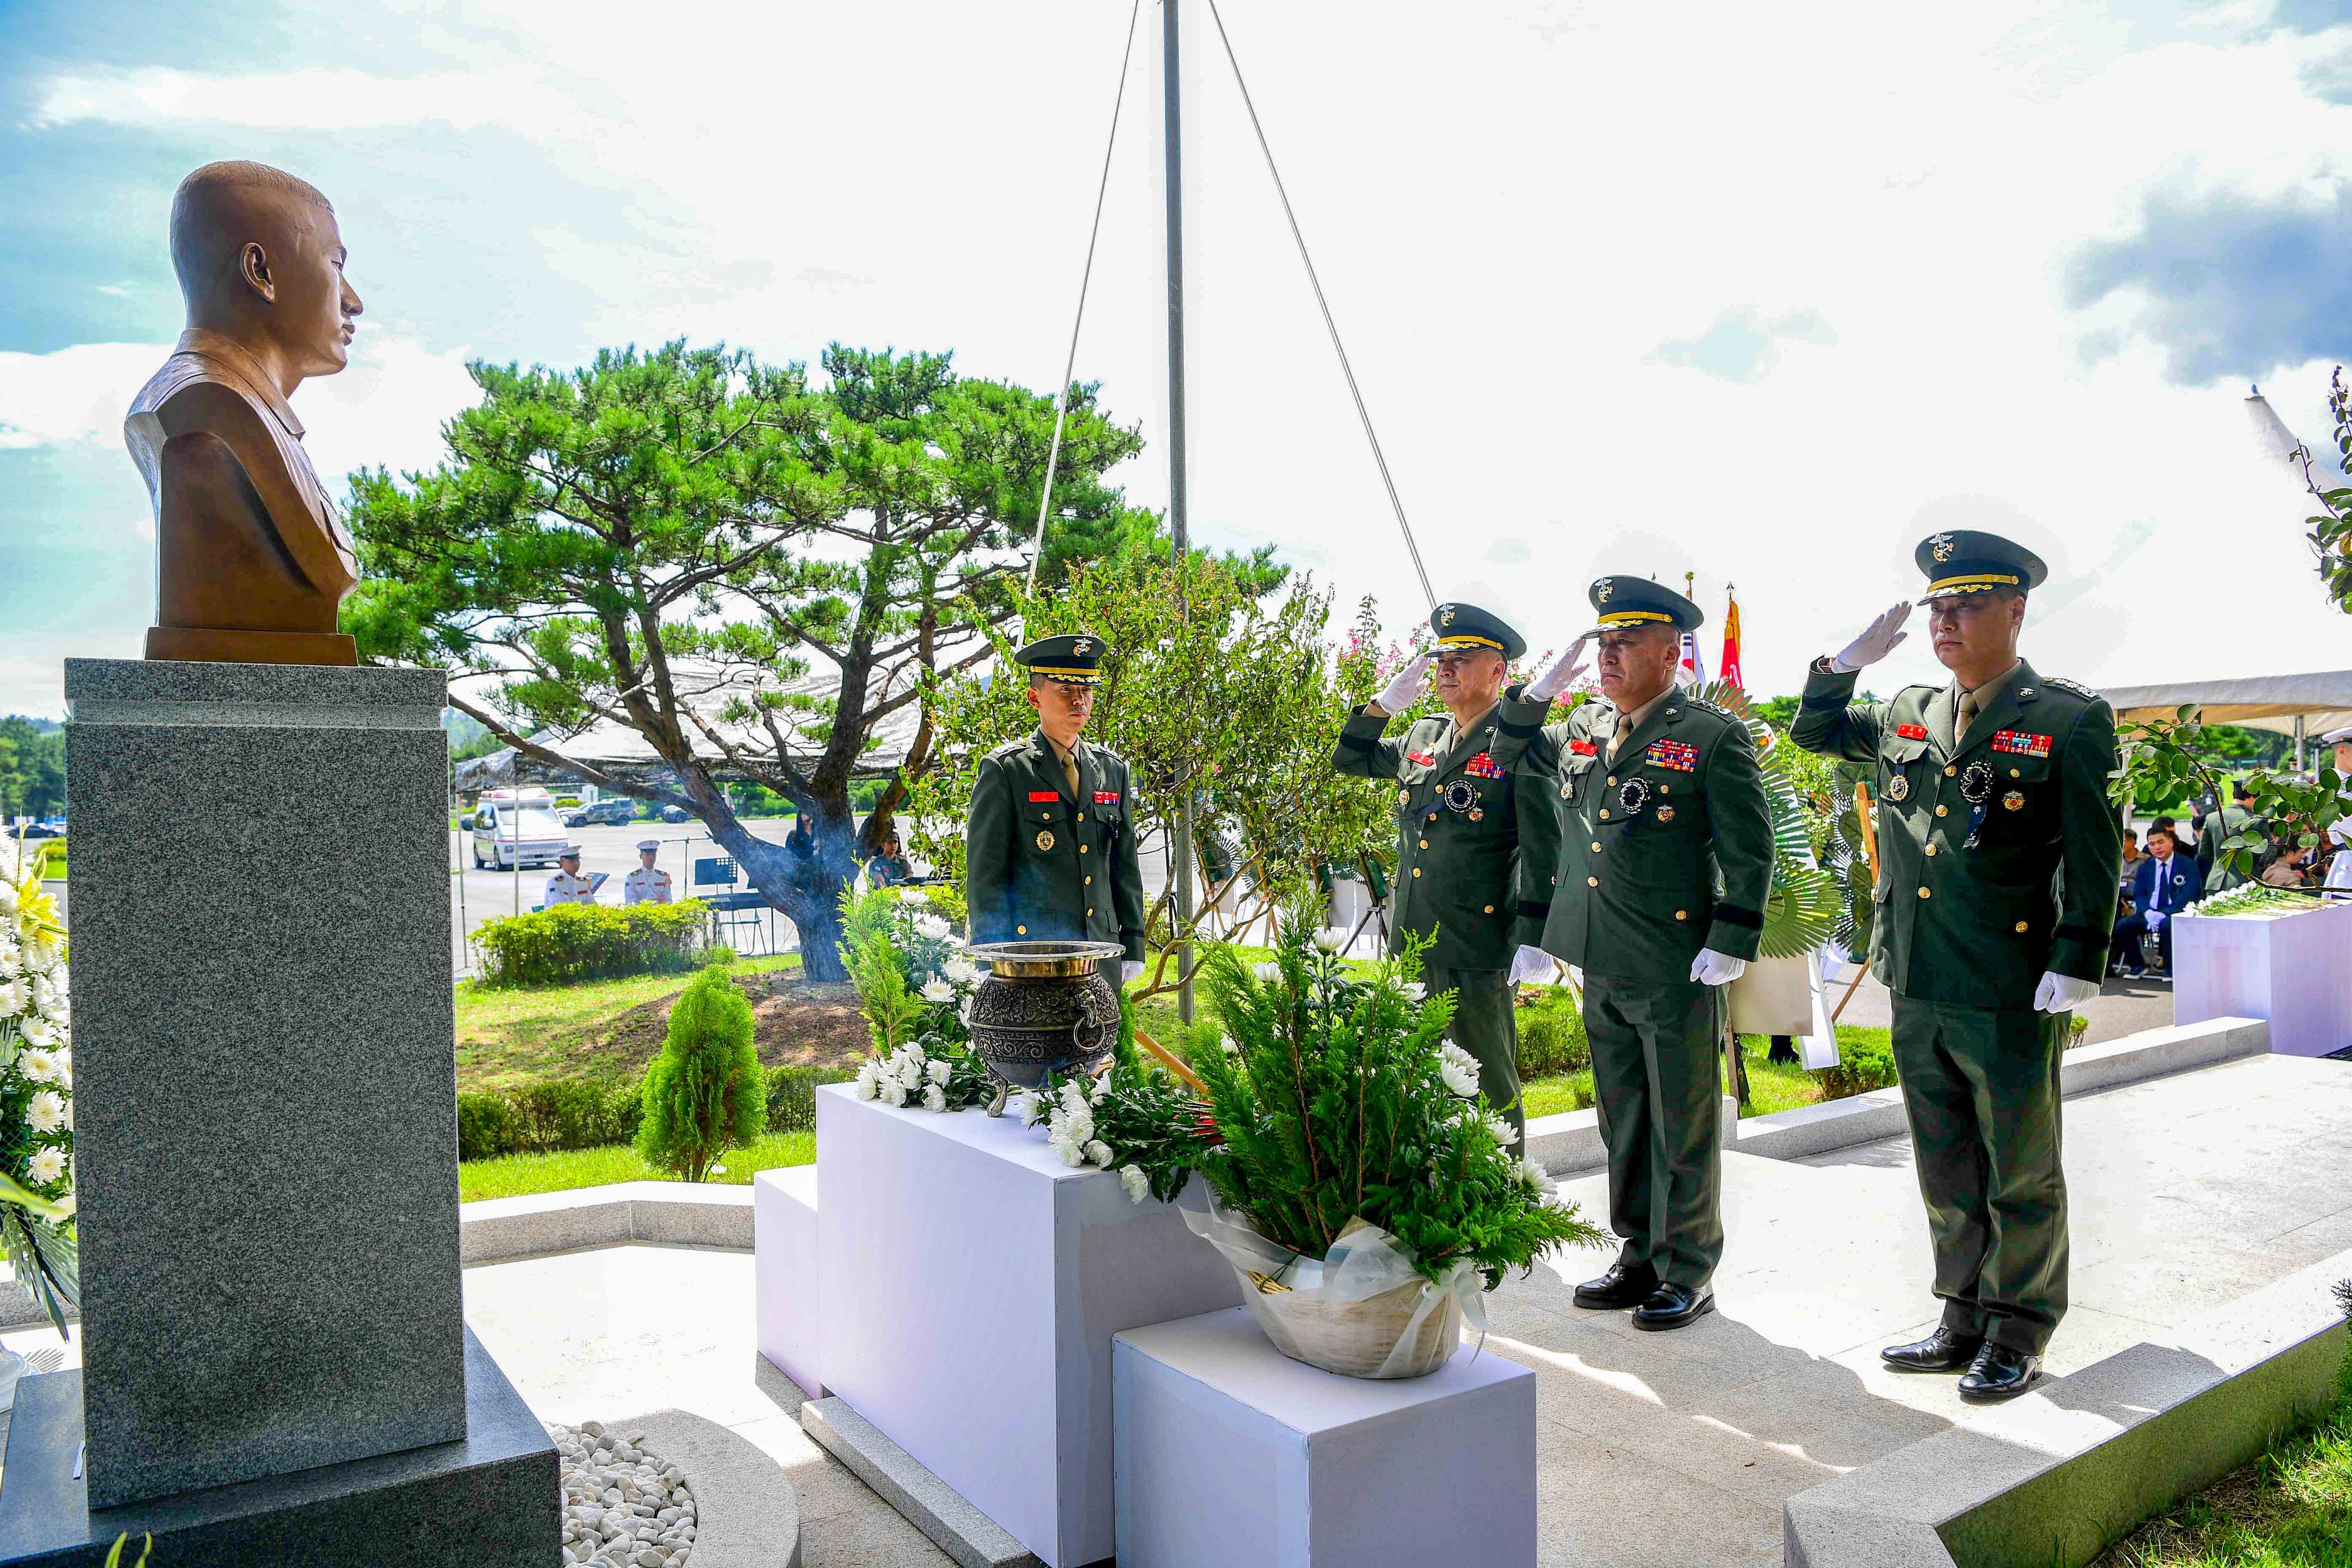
[[1229, 1452], [784, 1246], [2296, 970], [971, 1284]]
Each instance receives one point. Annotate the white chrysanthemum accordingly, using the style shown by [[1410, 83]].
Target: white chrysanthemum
[[913, 895], [937, 990], [7, 896], [935, 1098], [891, 1091], [54, 1000], [39, 1033], [1138, 1186], [1078, 1127], [1414, 991], [868, 1082], [45, 1165], [1498, 1130], [960, 971], [939, 1071], [60, 978], [1268, 971], [13, 997], [1069, 1152], [1226, 1042], [47, 1113], [1101, 1088], [1531, 1176], [40, 957], [1331, 938], [1459, 1068], [39, 1064], [1099, 1152], [932, 926], [12, 962]]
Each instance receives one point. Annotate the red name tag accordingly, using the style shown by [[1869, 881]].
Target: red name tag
[[1105, 796], [1911, 731], [1583, 748], [1422, 758], [1037, 795], [2017, 743]]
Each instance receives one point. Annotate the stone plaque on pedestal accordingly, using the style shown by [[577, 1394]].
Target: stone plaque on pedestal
[[265, 1088]]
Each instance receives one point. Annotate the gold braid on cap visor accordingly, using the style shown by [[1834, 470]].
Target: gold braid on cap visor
[[1975, 582], [1617, 618], [1464, 641], [1066, 673]]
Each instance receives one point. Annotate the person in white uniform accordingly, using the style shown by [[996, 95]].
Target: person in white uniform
[[567, 885], [2339, 871], [646, 884]]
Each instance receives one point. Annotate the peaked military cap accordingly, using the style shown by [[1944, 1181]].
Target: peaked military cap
[[653, 844], [1626, 602], [2337, 736], [1962, 560], [1460, 625], [1075, 660]]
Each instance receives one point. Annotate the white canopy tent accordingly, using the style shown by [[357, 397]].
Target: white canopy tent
[[2298, 705]]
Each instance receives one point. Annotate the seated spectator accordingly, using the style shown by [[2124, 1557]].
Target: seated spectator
[[2285, 868], [2163, 883], [891, 867], [2131, 847]]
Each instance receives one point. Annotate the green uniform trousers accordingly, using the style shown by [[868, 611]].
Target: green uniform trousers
[[1656, 1046], [1486, 1026], [1980, 1087]]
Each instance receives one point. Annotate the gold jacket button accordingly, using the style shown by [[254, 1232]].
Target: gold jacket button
[[1082, 849], [1090, 914], [1090, 882], [1605, 813], [2013, 773], [1612, 779], [1596, 846], [1923, 893], [1490, 909], [1417, 871], [1021, 930], [1950, 772], [1424, 843], [1593, 881], [1931, 849], [1943, 811], [2021, 928], [1682, 915]]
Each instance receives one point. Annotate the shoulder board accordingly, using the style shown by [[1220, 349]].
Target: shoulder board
[[1700, 705], [2077, 687], [1009, 747], [1105, 754]]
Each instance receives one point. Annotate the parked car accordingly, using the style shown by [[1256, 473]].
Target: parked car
[[513, 827], [617, 813], [52, 828], [673, 814]]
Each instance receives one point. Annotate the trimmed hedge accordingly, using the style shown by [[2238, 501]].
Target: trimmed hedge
[[1552, 1040], [574, 942], [577, 1113]]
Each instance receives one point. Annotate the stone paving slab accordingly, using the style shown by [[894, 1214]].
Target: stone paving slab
[[1667, 1449]]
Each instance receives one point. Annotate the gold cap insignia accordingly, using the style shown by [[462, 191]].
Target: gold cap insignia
[[1606, 591], [1445, 616], [1082, 647], [1942, 545]]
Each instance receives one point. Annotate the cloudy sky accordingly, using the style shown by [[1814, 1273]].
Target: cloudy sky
[[1760, 293]]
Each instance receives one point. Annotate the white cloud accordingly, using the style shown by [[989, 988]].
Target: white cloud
[[74, 395], [309, 100]]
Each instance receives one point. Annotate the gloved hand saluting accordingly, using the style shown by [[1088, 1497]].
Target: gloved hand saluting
[[1714, 968], [1564, 671], [1405, 690], [2062, 993], [1877, 640]]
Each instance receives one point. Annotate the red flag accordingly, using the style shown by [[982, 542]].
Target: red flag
[[1731, 644]]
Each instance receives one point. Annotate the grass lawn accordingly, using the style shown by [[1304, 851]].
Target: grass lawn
[[509, 1036], [517, 1174], [2290, 1509], [1772, 1086]]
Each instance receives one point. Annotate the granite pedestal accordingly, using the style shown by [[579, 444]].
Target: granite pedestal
[[971, 1284], [265, 1082], [2293, 971], [1228, 1451]]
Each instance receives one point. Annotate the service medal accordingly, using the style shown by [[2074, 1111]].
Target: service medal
[[1898, 788], [1459, 795], [1634, 796], [1477, 813], [1404, 797], [1044, 840], [1976, 783], [2013, 802], [1665, 813]]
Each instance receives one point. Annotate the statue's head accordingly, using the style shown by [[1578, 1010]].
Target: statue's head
[[260, 259]]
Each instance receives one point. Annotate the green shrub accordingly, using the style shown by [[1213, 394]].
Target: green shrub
[[705, 1092], [792, 1096], [1553, 1039], [1865, 1063], [574, 1113], [574, 942], [486, 1126]]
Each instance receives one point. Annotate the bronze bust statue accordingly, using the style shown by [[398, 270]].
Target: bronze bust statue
[[251, 559]]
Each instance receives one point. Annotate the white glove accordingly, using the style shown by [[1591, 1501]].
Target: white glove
[[1563, 671], [2062, 993], [1405, 690], [1877, 640], [1714, 968], [1534, 964], [1129, 971], [2154, 919]]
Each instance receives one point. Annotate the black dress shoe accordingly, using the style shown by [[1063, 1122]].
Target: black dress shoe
[[1942, 1351], [1999, 1371], [1625, 1285], [1672, 1306]]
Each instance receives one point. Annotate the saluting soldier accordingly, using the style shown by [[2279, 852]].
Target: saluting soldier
[[567, 885], [1474, 819], [1999, 855], [1666, 855], [1049, 847], [648, 883]]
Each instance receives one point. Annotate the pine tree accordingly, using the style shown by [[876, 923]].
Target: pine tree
[[704, 1094]]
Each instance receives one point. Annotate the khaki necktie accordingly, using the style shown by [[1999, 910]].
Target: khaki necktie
[[1069, 767], [1964, 714]]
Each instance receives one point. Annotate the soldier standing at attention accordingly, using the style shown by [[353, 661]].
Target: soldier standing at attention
[[1049, 846], [647, 884], [1661, 804], [567, 885], [1999, 858], [1474, 826]]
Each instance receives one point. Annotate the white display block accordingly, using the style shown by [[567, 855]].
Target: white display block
[[1230, 1452], [784, 1246], [971, 1284], [2294, 970]]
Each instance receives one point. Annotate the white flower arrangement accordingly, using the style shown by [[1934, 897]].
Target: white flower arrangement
[[37, 1201], [1459, 1068], [1331, 938], [1137, 1185], [1268, 971], [1069, 1118]]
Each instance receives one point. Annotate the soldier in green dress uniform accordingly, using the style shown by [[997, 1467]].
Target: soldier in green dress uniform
[[1049, 846], [1665, 858], [1999, 855], [1474, 826]]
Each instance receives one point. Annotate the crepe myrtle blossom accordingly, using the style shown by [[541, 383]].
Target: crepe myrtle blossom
[[1459, 1068], [1138, 1186], [47, 1113], [938, 989], [45, 1165]]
